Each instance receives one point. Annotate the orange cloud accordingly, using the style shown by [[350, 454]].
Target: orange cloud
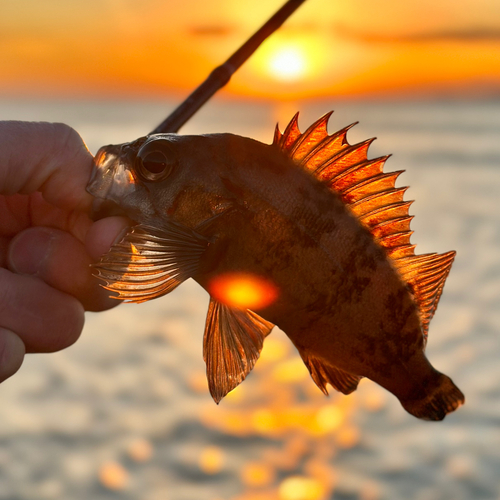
[[114, 47]]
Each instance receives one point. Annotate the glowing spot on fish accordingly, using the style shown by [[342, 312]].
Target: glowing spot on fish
[[244, 291], [130, 177], [135, 256]]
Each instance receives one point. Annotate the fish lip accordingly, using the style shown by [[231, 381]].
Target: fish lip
[[111, 180], [102, 208], [103, 171]]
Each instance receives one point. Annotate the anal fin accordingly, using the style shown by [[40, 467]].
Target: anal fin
[[231, 345], [323, 373]]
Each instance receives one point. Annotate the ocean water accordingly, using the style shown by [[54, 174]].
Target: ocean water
[[125, 413]]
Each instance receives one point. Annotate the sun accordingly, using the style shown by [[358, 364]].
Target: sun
[[294, 61], [289, 60], [287, 63]]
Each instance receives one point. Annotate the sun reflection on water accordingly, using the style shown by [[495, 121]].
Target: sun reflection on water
[[279, 401], [276, 436]]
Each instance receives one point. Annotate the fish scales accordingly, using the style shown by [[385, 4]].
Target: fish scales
[[306, 233]]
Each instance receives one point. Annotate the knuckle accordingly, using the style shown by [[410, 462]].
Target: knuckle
[[65, 137]]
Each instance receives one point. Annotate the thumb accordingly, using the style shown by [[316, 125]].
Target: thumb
[[63, 262], [47, 157]]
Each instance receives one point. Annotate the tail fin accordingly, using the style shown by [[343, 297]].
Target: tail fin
[[442, 399]]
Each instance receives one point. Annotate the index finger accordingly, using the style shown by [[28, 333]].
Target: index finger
[[47, 157]]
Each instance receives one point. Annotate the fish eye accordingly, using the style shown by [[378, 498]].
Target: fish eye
[[155, 161]]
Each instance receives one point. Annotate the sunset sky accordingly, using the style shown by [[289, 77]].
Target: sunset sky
[[151, 48]]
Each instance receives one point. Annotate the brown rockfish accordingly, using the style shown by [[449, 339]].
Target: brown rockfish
[[306, 233]]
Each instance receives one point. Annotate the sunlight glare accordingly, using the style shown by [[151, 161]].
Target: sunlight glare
[[288, 63], [290, 60], [244, 291]]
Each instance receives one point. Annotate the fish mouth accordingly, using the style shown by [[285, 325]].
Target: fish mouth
[[105, 208], [110, 181]]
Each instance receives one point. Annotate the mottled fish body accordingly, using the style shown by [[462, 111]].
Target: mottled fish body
[[306, 233]]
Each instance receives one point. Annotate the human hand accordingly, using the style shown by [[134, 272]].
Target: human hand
[[47, 241]]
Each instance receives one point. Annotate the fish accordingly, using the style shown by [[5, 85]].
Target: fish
[[305, 233]]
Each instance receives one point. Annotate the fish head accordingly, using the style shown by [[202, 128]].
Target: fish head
[[161, 176]]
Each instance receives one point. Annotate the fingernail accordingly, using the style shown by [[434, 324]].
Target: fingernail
[[29, 250], [121, 235]]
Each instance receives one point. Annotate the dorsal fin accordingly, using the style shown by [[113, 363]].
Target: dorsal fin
[[373, 197]]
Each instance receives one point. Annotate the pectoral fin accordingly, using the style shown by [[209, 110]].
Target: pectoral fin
[[149, 262], [231, 346], [323, 373]]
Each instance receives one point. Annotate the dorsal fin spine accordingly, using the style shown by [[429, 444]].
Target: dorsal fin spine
[[378, 200], [400, 251], [312, 161], [357, 173], [353, 155], [395, 239], [373, 185], [291, 133], [277, 135], [391, 226], [326, 152], [318, 130], [349, 157], [394, 211]]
